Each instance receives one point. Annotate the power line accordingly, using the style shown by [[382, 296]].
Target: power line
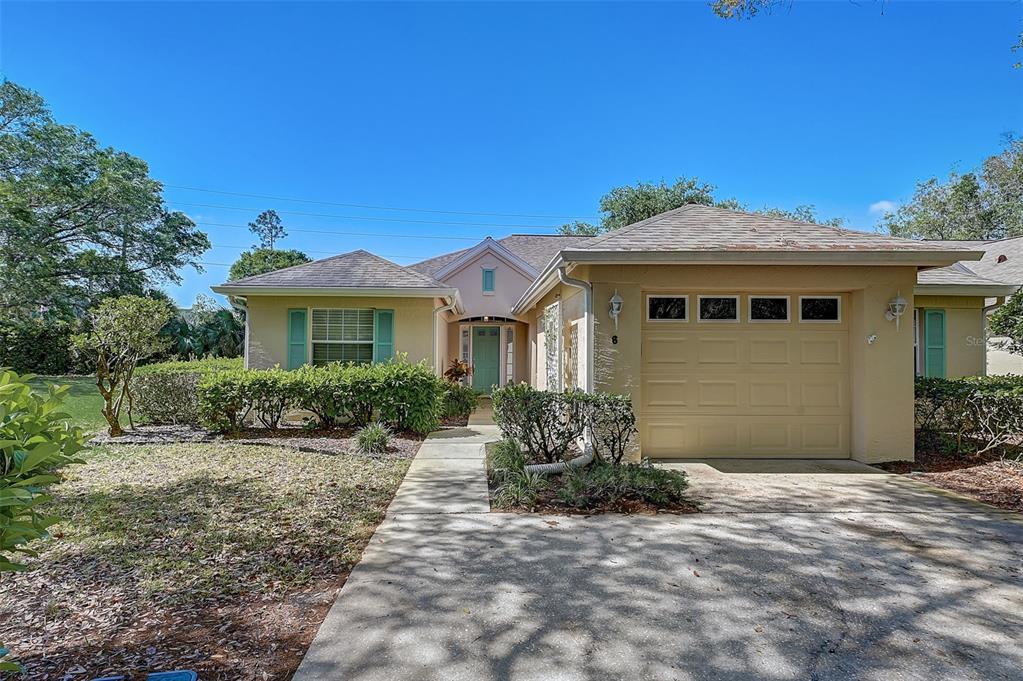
[[361, 217], [322, 231], [375, 207]]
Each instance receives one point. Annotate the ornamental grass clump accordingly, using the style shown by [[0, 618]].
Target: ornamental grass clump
[[373, 438]]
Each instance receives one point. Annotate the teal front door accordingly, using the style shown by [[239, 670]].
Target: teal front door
[[486, 362]]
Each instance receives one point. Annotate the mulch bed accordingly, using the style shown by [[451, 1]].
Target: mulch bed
[[986, 477], [220, 557], [338, 441], [549, 505]]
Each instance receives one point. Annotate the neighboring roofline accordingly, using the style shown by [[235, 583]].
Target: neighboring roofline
[[922, 258], [992, 290], [388, 292], [488, 244]]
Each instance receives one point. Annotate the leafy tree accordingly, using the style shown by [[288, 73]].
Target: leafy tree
[[1007, 321], [78, 222], [208, 331], [268, 227], [263, 260], [747, 9], [124, 331], [632, 203], [984, 204]]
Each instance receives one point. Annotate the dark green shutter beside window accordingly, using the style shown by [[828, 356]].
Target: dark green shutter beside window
[[296, 337], [383, 336], [488, 281], [934, 343]]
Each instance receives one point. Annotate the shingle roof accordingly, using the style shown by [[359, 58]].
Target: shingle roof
[[953, 275], [358, 269], [709, 228], [535, 249], [1009, 251]]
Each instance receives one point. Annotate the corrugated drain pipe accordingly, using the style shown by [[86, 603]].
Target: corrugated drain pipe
[[585, 444]]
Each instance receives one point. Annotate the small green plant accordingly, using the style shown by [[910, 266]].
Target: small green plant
[[611, 423], [373, 438], [520, 488], [459, 400], [547, 423], [457, 371], [603, 485]]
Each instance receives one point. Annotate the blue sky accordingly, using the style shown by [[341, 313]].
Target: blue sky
[[515, 108]]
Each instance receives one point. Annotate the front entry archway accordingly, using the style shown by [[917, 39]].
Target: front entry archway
[[486, 358]]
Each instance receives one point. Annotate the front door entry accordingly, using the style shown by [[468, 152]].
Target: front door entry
[[486, 361]]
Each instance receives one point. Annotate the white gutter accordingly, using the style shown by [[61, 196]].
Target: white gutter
[[754, 257], [981, 290], [588, 311]]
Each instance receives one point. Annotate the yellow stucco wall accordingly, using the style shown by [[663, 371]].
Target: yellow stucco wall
[[268, 328], [965, 348], [881, 380]]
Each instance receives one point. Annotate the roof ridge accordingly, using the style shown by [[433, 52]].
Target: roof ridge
[[291, 267], [625, 229], [408, 269]]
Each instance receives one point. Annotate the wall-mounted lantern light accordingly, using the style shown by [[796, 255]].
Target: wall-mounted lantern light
[[896, 308], [615, 307]]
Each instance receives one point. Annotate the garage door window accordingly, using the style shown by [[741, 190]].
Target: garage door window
[[667, 308], [768, 308], [820, 309], [719, 308]]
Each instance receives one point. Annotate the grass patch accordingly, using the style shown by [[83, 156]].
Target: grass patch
[[221, 558], [597, 488], [83, 401]]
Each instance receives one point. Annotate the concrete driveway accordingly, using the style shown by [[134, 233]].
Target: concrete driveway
[[858, 575]]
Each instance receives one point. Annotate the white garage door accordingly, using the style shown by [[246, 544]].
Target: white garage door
[[764, 387]]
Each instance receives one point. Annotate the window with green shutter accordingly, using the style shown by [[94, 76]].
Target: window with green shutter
[[488, 281], [343, 335], [934, 343], [383, 345], [296, 337]]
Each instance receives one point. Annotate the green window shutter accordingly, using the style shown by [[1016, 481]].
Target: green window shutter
[[383, 335], [296, 337], [934, 343], [488, 281]]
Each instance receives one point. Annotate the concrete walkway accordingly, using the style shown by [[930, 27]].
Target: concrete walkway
[[859, 578]]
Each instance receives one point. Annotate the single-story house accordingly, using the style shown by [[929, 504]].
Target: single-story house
[[737, 335], [1001, 265]]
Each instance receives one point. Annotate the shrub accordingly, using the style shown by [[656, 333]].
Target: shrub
[[325, 392], [37, 440], [223, 401], [545, 422], [168, 392], [611, 422], [373, 438], [40, 346], [270, 394], [601, 485], [984, 412], [459, 400], [519, 488], [408, 396], [457, 371]]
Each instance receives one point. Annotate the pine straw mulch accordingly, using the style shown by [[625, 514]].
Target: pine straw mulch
[[987, 477], [220, 558]]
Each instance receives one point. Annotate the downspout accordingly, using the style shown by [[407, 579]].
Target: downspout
[[586, 445], [437, 311]]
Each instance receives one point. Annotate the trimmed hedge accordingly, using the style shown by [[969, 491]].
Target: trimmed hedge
[[167, 392], [403, 396], [983, 413], [547, 423], [40, 347]]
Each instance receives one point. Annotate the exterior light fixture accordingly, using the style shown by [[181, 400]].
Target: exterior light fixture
[[615, 307], [896, 308]]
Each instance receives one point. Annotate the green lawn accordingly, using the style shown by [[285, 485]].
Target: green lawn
[[222, 558], [83, 401]]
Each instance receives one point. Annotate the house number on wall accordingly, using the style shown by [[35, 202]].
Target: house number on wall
[[614, 340]]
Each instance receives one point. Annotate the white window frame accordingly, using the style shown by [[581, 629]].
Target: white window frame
[[508, 366], [669, 321], [371, 343], [788, 310], [738, 310], [820, 321]]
